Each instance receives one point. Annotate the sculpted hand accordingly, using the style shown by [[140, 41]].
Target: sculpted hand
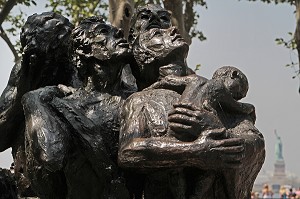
[[188, 121], [67, 90], [47, 93], [221, 153]]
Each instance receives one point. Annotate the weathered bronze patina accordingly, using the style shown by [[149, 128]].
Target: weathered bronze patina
[[186, 136], [103, 118]]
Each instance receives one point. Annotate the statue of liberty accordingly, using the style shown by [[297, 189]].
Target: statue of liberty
[[278, 147]]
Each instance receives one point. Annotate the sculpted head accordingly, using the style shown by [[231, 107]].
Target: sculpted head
[[159, 51], [234, 80], [46, 45], [93, 38], [100, 49], [163, 45], [46, 36], [148, 17], [158, 48]]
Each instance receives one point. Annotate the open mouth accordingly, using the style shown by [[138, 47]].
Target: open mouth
[[153, 32], [177, 37]]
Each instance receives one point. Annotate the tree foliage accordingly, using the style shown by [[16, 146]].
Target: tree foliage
[[119, 12], [15, 21], [78, 10]]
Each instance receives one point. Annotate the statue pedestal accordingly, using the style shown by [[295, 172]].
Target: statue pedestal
[[279, 169], [279, 176]]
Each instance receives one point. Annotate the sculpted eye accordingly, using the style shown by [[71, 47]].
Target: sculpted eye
[[165, 18], [103, 31], [145, 16]]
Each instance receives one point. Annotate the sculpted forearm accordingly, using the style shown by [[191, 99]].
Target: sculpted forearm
[[10, 115], [11, 112], [254, 146], [160, 153], [163, 152]]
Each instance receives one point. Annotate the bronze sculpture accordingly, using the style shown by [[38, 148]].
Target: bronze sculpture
[[45, 42], [180, 136], [77, 129], [228, 84], [8, 188], [150, 117]]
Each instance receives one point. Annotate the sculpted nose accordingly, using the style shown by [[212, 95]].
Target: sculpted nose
[[119, 33], [154, 18]]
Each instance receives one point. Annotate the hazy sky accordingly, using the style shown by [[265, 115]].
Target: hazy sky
[[241, 34]]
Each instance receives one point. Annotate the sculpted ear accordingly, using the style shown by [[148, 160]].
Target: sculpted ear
[[234, 74]]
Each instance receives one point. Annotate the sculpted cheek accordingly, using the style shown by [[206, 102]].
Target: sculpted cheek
[[100, 53], [156, 44], [143, 24]]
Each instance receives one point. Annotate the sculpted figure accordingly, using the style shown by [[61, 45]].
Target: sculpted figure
[[74, 132], [221, 163], [183, 136], [154, 18], [45, 61], [221, 93], [278, 148]]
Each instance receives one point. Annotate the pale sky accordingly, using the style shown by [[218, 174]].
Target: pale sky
[[241, 34]]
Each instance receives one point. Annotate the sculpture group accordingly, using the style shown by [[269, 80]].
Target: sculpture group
[[90, 114]]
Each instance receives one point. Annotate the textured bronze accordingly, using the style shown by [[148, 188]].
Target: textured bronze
[[99, 117]]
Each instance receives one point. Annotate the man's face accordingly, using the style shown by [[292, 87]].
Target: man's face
[[108, 42], [161, 40], [152, 16], [107, 46], [161, 43], [159, 48]]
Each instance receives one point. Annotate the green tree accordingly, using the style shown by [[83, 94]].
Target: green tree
[[118, 12], [15, 20]]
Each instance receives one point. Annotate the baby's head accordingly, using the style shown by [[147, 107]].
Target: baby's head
[[234, 80]]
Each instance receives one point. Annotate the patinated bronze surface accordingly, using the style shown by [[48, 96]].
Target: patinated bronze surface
[[77, 129], [191, 139], [8, 187], [45, 61], [103, 118]]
